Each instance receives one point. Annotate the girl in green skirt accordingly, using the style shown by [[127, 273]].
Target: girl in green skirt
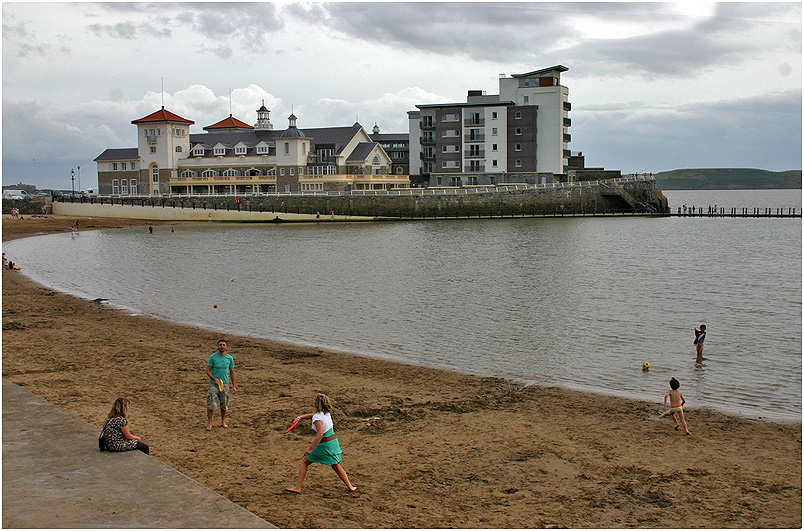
[[324, 448]]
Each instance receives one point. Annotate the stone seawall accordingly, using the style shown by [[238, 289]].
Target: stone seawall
[[611, 196]]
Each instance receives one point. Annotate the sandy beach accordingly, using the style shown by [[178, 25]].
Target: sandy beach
[[442, 449]]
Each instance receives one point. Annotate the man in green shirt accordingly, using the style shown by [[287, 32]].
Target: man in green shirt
[[220, 369]]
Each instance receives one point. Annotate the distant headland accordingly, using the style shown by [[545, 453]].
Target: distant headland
[[727, 179]]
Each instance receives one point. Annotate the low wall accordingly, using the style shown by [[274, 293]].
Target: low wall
[[634, 196]]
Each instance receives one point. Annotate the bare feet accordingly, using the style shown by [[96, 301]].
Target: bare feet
[[687, 433], [352, 489], [224, 425], [209, 428], [294, 491], [677, 425]]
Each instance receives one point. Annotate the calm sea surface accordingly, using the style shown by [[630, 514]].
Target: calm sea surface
[[577, 303]]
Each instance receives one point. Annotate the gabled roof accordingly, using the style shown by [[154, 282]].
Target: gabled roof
[[560, 68], [162, 115], [119, 154], [361, 151], [229, 123]]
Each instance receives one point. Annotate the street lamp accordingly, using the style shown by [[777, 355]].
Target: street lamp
[[72, 178]]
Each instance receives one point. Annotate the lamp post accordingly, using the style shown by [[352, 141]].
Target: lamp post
[[72, 178]]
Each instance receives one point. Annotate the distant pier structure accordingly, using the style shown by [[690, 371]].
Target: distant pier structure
[[715, 211]]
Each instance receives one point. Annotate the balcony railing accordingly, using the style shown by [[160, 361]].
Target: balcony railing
[[427, 140], [475, 137], [567, 122], [567, 137], [567, 106], [426, 125], [470, 122], [474, 154], [475, 168]]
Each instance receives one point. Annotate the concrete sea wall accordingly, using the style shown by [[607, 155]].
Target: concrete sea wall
[[609, 196]]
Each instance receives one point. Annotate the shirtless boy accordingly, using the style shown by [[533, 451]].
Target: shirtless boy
[[676, 404]]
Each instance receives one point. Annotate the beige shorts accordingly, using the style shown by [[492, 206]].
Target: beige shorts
[[217, 399]]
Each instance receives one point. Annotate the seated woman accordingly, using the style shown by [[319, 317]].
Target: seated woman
[[115, 436]]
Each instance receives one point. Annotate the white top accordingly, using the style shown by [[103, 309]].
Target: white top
[[326, 421]]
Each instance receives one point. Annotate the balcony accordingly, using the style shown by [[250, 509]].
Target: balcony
[[567, 137], [427, 140], [151, 139], [472, 168], [474, 122], [426, 125], [427, 156], [475, 137], [474, 154], [567, 122], [567, 106]]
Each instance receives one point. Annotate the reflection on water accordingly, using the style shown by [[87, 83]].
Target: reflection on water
[[579, 303]]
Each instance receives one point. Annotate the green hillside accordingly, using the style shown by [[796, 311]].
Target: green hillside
[[727, 179]]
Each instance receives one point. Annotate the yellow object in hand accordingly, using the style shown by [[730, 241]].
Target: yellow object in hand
[[220, 385]]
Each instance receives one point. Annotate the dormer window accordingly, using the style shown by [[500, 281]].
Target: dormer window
[[220, 151], [240, 150], [198, 151], [262, 148], [376, 160]]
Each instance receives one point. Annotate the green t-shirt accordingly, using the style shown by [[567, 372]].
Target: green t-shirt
[[220, 366]]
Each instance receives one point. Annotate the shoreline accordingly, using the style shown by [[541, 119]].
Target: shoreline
[[450, 449]]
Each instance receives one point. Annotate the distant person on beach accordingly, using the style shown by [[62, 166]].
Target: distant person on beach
[[115, 436], [220, 369], [150, 229], [700, 335], [676, 406], [325, 448], [5, 260], [77, 225]]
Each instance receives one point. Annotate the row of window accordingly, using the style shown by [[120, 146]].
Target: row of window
[[124, 187], [158, 132], [124, 166], [427, 121], [474, 165]]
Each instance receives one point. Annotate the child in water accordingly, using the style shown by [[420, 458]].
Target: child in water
[[700, 336], [676, 404]]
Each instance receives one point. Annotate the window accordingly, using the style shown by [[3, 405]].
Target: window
[[124, 187], [517, 147], [494, 115], [494, 147], [178, 150], [451, 118], [293, 171], [262, 149], [153, 149], [527, 99], [231, 173], [518, 115], [301, 171], [122, 165], [219, 151], [518, 163], [493, 130], [287, 148], [187, 173], [518, 131], [399, 170], [450, 164], [132, 184], [376, 160], [450, 133], [133, 165], [155, 174], [198, 151], [115, 187], [114, 166], [209, 173], [240, 150], [494, 163], [272, 171], [282, 170]]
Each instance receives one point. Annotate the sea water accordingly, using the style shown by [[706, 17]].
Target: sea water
[[579, 303]]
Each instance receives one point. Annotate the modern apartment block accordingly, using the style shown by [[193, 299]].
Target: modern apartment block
[[518, 135]]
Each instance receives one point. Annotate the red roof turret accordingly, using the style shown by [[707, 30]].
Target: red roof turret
[[162, 115]]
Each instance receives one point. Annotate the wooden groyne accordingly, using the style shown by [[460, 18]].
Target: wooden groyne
[[737, 212]]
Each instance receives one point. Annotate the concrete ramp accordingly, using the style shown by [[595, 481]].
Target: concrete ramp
[[54, 476]]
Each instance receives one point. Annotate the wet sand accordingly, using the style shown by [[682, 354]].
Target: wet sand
[[447, 449]]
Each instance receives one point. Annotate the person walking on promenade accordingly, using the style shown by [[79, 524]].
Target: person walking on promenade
[[115, 435], [325, 448], [700, 335], [220, 369], [676, 406]]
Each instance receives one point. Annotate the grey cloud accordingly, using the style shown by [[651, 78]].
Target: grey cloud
[[762, 132]]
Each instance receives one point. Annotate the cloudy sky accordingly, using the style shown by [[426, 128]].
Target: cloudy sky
[[653, 86]]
